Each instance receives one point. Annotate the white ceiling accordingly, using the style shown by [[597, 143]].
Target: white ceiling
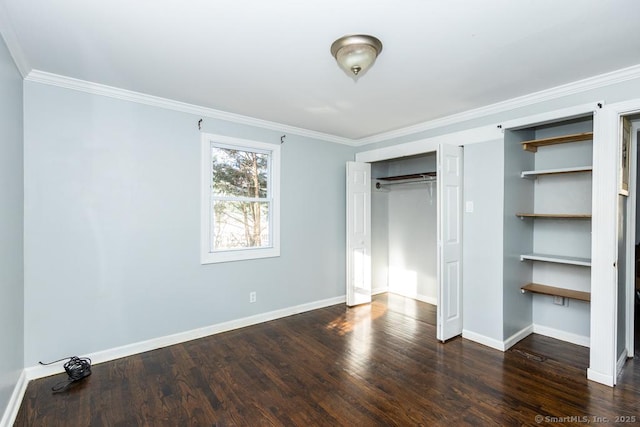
[[270, 59]]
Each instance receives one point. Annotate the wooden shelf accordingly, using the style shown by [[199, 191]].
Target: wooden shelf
[[411, 176], [554, 291], [583, 262], [533, 145], [553, 216], [535, 174]]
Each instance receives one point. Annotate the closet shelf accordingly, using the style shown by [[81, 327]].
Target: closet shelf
[[533, 144], [422, 175], [558, 259], [558, 292], [523, 215], [536, 173]]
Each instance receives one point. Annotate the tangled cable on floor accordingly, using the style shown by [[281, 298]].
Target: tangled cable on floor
[[76, 368]]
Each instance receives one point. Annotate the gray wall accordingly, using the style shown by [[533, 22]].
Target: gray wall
[[11, 227], [112, 214], [412, 241], [518, 234], [483, 239], [404, 230]]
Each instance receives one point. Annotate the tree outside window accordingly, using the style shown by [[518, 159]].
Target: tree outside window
[[240, 204], [241, 186]]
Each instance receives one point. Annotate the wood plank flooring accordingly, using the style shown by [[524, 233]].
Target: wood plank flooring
[[373, 365]]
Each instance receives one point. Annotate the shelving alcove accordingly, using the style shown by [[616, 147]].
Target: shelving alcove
[[550, 196]]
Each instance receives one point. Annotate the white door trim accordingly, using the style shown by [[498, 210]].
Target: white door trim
[[631, 236], [604, 278]]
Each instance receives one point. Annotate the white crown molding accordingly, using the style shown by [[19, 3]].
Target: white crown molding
[[9, 36], [572, 88], [579, 86], [156, 101]]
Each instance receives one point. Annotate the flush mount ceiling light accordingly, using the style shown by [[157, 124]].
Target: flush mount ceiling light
[[355, 54]]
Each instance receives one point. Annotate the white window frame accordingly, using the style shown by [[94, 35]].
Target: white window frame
[[207, 256]]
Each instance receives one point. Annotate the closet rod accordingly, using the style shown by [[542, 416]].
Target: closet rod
[[421, 175], [421, 181]]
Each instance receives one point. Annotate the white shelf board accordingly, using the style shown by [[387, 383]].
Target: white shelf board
[[585, 262], [536, 173]]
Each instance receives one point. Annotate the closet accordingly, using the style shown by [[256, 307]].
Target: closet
[[404, 227], [547, 236]]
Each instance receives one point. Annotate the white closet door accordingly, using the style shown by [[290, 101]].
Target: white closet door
[[358, 233], [449, 242]]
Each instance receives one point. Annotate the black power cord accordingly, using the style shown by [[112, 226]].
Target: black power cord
[[76, 368]]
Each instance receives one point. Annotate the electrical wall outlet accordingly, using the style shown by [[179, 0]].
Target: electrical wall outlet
[[252, 296], [468, 206], [559, 300]]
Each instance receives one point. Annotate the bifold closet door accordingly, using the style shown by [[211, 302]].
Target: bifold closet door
[[358, 233], [449, 242]]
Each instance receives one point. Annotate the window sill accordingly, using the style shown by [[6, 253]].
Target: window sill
[[240, 255]]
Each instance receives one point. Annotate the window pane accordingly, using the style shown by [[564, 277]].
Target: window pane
[[239, 173], [240, 225]]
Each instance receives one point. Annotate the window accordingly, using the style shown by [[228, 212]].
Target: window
[[240, 199]]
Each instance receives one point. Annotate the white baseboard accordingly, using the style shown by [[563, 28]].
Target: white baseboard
[[599, 377], [11, 411], [550, 332], [40, 371], [518, 336], [561, 335], [419, 297], [484, 340], [621, 361], [427, 299], [497, 344], [378, 291]]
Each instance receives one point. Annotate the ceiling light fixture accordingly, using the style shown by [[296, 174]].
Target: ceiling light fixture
[[355, 54]]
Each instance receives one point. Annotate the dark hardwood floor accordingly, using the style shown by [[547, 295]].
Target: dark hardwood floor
[[372, 365]]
